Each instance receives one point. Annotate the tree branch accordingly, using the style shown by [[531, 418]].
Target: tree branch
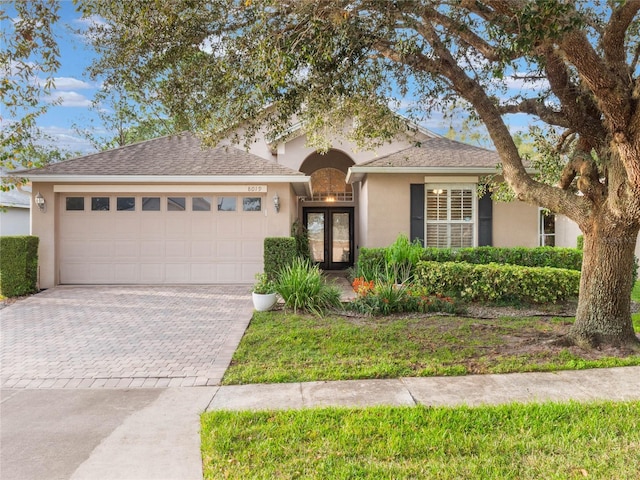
[[612, 93], [614, 34], [581, 112], [536, 107]]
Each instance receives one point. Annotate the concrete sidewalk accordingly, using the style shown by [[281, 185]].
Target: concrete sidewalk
[[616, 384]]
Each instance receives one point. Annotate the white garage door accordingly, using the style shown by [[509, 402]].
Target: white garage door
[[155, 239]]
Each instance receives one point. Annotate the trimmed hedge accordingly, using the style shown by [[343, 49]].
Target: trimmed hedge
[[18, 265], [373, 259], [279, 252], [493, 282]]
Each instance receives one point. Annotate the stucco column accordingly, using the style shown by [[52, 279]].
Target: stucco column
[[43, 225]]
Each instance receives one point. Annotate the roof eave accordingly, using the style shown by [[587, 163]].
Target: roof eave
[[356, 174], [301, 184], [187, 179]]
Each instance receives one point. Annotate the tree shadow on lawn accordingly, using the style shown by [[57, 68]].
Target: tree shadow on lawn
[[508, 338]]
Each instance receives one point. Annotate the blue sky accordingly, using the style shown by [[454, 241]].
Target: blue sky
[[72, 85]]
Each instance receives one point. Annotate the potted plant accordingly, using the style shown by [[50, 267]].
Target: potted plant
[[264, 293]]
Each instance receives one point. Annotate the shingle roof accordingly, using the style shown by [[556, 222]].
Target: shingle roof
[[174, 155], [438, 152]]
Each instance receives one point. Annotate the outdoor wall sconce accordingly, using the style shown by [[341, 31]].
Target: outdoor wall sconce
[[276, 202], [40, 202]]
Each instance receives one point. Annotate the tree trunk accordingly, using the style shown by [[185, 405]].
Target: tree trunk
[[603, 316]]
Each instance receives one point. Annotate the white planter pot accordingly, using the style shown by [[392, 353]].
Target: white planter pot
[[263, 302]]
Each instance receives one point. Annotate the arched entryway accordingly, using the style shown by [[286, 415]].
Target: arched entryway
[[329, 214]]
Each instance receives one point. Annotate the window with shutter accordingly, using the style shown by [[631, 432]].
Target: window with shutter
[[451, 216]]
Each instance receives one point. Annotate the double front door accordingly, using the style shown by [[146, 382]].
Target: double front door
[[330, 231]]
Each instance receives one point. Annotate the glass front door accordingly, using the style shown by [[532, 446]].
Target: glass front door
[[330, 236]]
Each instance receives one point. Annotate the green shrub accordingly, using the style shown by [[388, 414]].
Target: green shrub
[[498, 283], [387, 263], [400, 258], [371, 263], [302, 287], [556, 257], [279, 252], [384, 298], [18, 265], [580, 242], [300, 233]]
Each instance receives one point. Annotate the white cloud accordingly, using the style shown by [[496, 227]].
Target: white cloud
[[70, 83], [67, 139], [519, 82], [69, 99]]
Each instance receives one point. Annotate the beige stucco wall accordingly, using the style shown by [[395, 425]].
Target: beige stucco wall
[[293, 153], [388, 200], [515, 224], [567, 232], [385, 213]]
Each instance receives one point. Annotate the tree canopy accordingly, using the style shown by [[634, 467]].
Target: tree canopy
[[570, 66], [28, 60]]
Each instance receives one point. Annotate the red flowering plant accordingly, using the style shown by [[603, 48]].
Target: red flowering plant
[[362, 287]]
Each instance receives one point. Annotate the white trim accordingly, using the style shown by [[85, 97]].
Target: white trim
[[356, 173], [82, 188], [454, 180], [187, 179]]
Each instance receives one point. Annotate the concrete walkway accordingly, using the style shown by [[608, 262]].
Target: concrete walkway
[[617, 384]]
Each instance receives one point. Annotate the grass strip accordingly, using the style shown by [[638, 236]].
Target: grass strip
[[533, 441]]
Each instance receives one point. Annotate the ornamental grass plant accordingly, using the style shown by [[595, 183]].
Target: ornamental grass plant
[[303, 288]]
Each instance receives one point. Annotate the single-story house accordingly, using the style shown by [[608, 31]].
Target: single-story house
[[15, 215], [170, 211]]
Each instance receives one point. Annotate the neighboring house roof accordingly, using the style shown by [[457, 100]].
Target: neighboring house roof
[[434, 155], [175, 158], [15, 198]]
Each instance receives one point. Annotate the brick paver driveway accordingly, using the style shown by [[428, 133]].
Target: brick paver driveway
[[122, 336]]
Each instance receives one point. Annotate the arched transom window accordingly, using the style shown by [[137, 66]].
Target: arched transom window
[[329, 185]]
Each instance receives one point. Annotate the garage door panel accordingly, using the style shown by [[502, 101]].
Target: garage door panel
[[201, 249], [203, 225], [228, 226], [96, 224], [228, 249], [127, 249], [74, 273], [125, 273], [151, 248], [177, 272], [177, 225], [154, 247], [151, 272], [202, 273], [251, 227], [228, 272], [251, 249], [176, 248], [151, 223], [101, 272], [127, 223], [249, 271]]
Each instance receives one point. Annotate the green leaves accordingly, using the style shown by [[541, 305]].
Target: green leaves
[[28, 61]]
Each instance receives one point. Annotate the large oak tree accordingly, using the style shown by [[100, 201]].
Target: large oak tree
[[219, 63]]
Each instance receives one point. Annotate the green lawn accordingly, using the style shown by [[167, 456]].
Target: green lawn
[[282, 347], [550, 441]]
